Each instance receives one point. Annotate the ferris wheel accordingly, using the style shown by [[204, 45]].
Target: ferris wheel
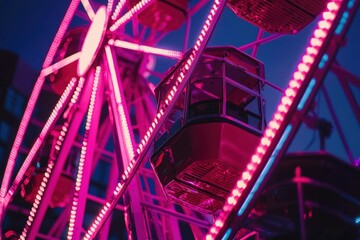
[[118, 158]]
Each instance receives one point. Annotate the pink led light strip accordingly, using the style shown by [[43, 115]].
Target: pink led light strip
[[295, 83], [118, 9], [31, 103], [125, 133], [61, 32], [127, 16], [50, 166], [146, 49], [74, 212], [159, 119], [120, 105], [35, 148], [43, 185], [110, 5]]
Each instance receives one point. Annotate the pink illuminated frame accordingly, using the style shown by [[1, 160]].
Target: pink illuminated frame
[[119, 7], [146, 49], [50, 166], [127, 16], [120, 104], [124, 136], [295, 83], [271, 131], [36, 146], [76, 215], [31, 103], [184, 75]]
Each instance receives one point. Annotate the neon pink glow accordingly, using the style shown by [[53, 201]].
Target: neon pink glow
[[61, 32], [99, 220], [89, 10], [127, 16], [35, 148], [93, 40], [62, 63], [32, 100], [311, 51], [303, 67], [324, 24], [316, 42], [119, 7], [18, 139], [120, 104], [74, 210], [110, 5], [334, 6], [319, 33], [146, 49], [41, 191], [308, 59], [279, 115], [49, 168]]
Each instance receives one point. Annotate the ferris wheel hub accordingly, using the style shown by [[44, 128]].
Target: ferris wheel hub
[[93, 41]]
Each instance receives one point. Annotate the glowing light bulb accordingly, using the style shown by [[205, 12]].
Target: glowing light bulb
[[241, 184], [333, 6], [316, 42]]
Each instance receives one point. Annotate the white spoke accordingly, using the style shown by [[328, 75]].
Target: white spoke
[[60, 64], [146, 49], [89, 10]]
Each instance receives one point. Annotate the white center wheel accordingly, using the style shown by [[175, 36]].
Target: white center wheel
[[93, 41]]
